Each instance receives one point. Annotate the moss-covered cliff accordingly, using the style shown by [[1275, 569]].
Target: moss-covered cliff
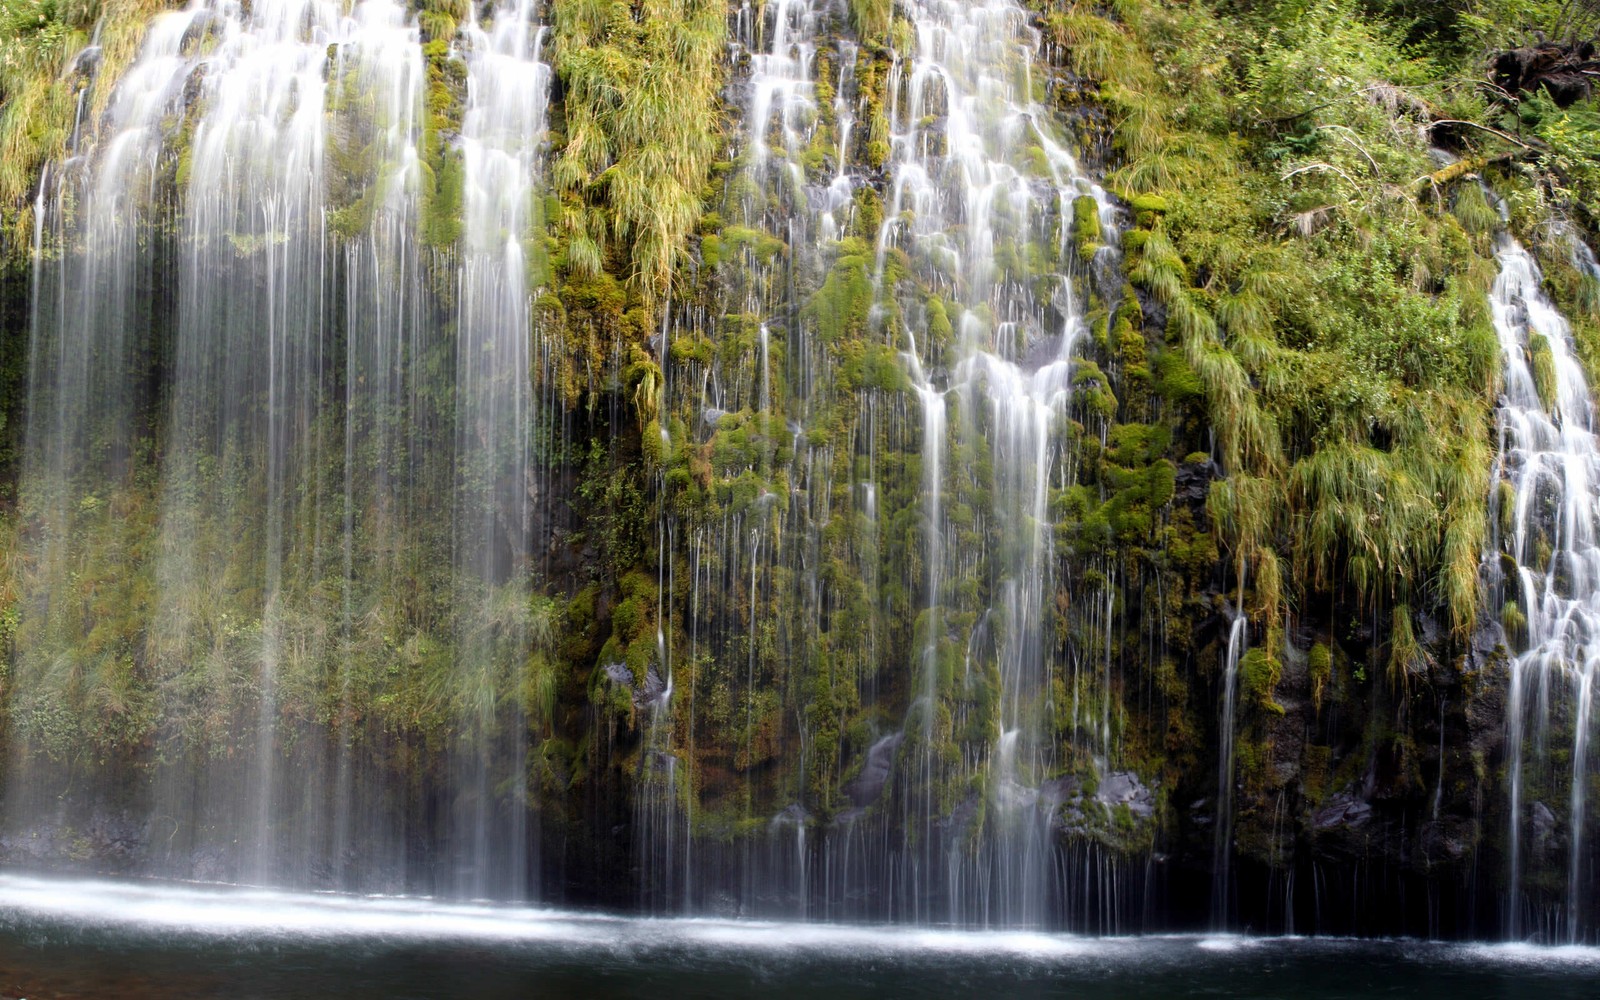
[[767, 657]]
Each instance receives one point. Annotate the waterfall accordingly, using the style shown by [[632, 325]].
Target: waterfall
[[1222, 844], [91, 344], [735, 612], [502, 135], [373, 127], [976, 180], [250, 338], [367, 351], [337, 428], [232, 286], [960, 295], [782, 93], [1548, 507]]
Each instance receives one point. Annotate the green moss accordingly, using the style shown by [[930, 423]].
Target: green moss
[[841, 307], [1094, 390], [1543, 365], [871, 366], [1146, 207], [1086, 227], [868, 215], [442, 170], [1320, 666], [1259, 673], [940, 332], [740, 240], [711, 250], [1176, 380]]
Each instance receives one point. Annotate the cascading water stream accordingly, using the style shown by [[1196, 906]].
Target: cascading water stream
[[373, 113], [259, 166], [250, 339], [502, 139], [772, 534], [1549, 463], [89, 284], [782, 94], [966, 201], [1222, 844], [981, 193]]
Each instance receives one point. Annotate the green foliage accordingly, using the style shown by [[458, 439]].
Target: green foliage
[[1334, 328], [841, 307], [37, 37], [40, 84], [870, 18], [641, 126], [1406, 655], [619, 508], [1568, 141]]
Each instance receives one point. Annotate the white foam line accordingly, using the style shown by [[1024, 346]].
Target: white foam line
[[232, 911], [1225, 943], [259, 913], [1510, 953]]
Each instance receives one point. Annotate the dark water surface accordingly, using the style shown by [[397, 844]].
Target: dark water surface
[[78, 938]]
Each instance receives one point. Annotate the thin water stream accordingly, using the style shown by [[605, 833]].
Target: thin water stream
[[1548, 512]]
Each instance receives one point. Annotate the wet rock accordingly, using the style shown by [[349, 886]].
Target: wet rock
[[1343, 809], [619, 674], [1041, 351], [651, 693], [655, 687], [1123, 788], [1487, 639], [868, 785], [1545, 844], [793, 814], [211, 865], [1155, 316], [103, 841], [85, 62], [1104, 816], [847, 817], [1432, 630], [962, 817], [1448, 840], [1193, 482], [1059, 790]]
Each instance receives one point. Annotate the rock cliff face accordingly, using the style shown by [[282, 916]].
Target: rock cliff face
[[1037, 464]]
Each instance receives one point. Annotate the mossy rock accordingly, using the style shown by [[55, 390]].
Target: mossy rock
[[1147, 208], [1086, 231]]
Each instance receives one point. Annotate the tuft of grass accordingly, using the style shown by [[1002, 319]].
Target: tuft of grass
[[642, 128], [41, 79]]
